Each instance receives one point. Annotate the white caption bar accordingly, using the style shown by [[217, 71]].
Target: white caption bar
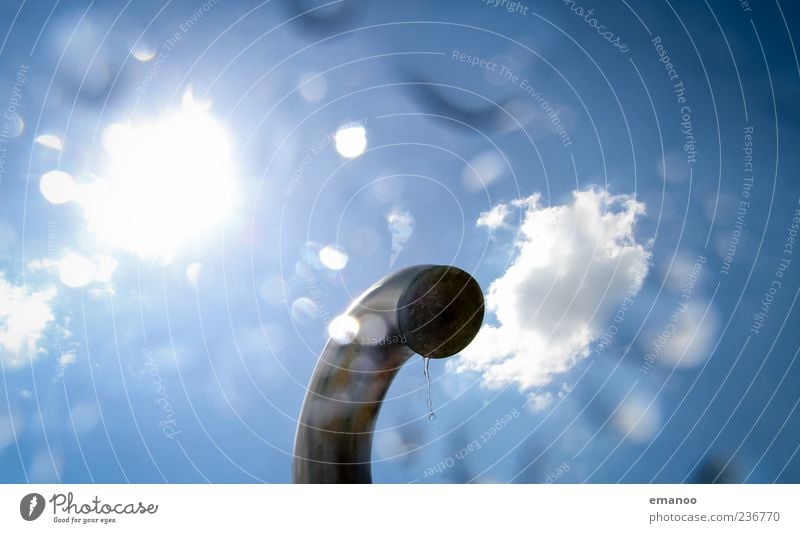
[[244, 508]]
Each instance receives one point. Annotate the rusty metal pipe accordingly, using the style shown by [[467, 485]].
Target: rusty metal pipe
[[434, 311]]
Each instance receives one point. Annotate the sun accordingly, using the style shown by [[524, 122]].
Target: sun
[[164, 184]]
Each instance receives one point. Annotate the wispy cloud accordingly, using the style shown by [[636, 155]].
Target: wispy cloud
[[401, 226], [63, 361]]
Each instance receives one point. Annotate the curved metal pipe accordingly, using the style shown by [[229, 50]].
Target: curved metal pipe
[[435, 311]]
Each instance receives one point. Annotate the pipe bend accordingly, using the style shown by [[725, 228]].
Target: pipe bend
[[432, 310]]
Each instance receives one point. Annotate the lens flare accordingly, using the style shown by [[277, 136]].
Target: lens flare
[[343, 329], [50, 141], [57, 187], [351, 141], [333, 257]]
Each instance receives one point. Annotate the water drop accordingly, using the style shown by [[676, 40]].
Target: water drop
[[426, 370]]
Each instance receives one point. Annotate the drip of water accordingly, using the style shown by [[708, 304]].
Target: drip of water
[[426, 370]]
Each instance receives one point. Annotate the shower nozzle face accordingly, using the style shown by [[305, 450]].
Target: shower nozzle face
[[440, 312]]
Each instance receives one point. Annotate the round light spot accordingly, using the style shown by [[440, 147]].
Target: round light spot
[[85, 417], [304, 310], [303, 270], [364, 240], [57, 187], [672, 167], [12, 425], [193, 274], [273, 291], [483, 170], [637, 419], [14, 125], [388, 191], [75, 270], [333, 257], [309, 254], [351, 141], [8, 236], [313, 87], [343, 329], [390, 444], [373, 329], [276, 336], [144, 52], [50, 141]]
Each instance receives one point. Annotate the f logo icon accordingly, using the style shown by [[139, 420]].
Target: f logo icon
[[31, 506]]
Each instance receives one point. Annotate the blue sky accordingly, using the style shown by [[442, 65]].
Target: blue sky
[[629, 211]]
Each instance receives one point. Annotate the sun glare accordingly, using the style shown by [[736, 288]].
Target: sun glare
[[165, 184]]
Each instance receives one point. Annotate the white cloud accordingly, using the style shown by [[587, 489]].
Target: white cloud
[[24, 315], [539, 401], [574, 266], [67, 358], [494, 218]]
